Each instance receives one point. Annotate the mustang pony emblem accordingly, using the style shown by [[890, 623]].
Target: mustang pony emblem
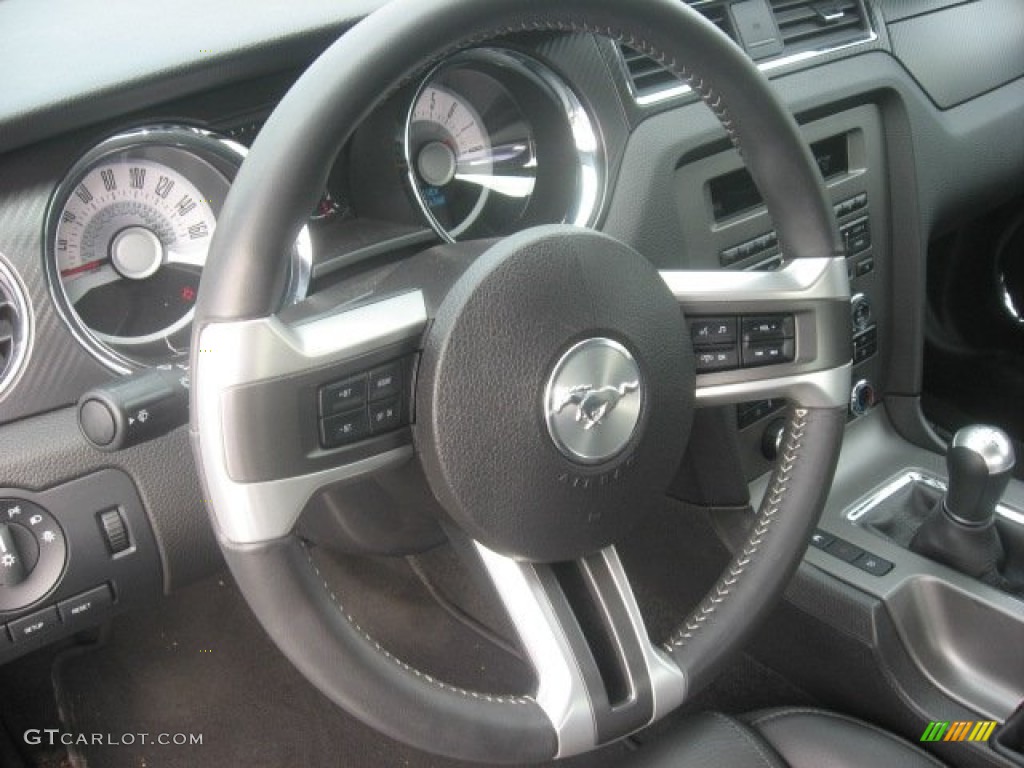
[[592, 403]]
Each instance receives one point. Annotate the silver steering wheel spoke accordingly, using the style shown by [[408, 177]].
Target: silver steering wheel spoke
[[762, 335], [599, 677], [318, 376]]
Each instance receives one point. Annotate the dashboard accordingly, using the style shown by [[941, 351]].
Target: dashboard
[[116, 159]]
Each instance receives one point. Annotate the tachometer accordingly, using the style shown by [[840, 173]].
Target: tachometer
[[452, 157], [128, 235], [496, 142]]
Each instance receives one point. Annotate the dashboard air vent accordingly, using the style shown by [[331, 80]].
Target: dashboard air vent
[[650, 79], [819, 24], [806, 27], [14, 327]]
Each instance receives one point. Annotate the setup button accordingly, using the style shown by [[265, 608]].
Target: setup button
[[34, 625]]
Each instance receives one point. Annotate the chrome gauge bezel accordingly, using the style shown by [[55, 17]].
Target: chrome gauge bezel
[[172, 145], [23, 334], [588, 199]]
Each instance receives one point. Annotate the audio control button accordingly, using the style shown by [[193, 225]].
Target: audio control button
[[717, 359], [706, 331], [768, 328]]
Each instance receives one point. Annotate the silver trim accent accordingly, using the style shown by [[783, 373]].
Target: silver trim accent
[[990, 443], [783, 61], [668, 683], [855, 406], [591, 182], [24, 333], [900, 481], [244, 352], [224, 155], [561, 691], [817, 389], [609, 379], [817, 279]]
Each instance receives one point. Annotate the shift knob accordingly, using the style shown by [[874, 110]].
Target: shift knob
[[979, 461]]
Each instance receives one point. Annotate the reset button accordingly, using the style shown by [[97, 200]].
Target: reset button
[[82, 608]]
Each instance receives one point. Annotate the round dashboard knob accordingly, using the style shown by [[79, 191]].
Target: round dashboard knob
[[862, 397], [860, 312], [771, 440], [18, 554]]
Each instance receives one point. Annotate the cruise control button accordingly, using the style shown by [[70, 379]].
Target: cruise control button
[[342, 396], [82, 608], [344, 428], [386, 415], [34, 625], [384, 382], [707, 331]]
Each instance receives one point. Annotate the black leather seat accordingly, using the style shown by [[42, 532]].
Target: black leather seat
[[780, 738]]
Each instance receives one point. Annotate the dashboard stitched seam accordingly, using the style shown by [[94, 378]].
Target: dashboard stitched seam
[[697, 620], [493, 699]]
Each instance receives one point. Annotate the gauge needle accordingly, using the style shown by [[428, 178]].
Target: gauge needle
[[195, 258], [87, 266], [104, 275], [477, 168], [510, 186], [499, 153]]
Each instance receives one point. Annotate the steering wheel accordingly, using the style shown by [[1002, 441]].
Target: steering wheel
[[550, 382]]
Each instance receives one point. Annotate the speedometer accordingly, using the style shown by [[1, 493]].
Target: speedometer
[[139, 230], [128, 235]]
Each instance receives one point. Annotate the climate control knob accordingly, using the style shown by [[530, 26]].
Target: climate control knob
[[860, 312]]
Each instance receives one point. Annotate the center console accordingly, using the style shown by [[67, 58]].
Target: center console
[[962, 633], [727, 226], [928, 634]]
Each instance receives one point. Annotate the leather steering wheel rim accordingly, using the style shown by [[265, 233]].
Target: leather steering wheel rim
[[244, 281]]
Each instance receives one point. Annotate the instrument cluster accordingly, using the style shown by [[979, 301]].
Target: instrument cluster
[[489, 142]]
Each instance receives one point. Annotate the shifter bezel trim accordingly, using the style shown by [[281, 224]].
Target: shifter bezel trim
[[859, 512]]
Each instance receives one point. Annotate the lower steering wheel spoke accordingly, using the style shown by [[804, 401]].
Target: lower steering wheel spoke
[[340, 386], [764, 335], [599, 676]]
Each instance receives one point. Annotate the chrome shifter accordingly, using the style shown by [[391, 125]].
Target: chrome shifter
[[961, 530], [980, 461]]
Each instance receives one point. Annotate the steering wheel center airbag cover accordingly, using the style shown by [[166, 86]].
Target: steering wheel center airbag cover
[[530, 314]]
